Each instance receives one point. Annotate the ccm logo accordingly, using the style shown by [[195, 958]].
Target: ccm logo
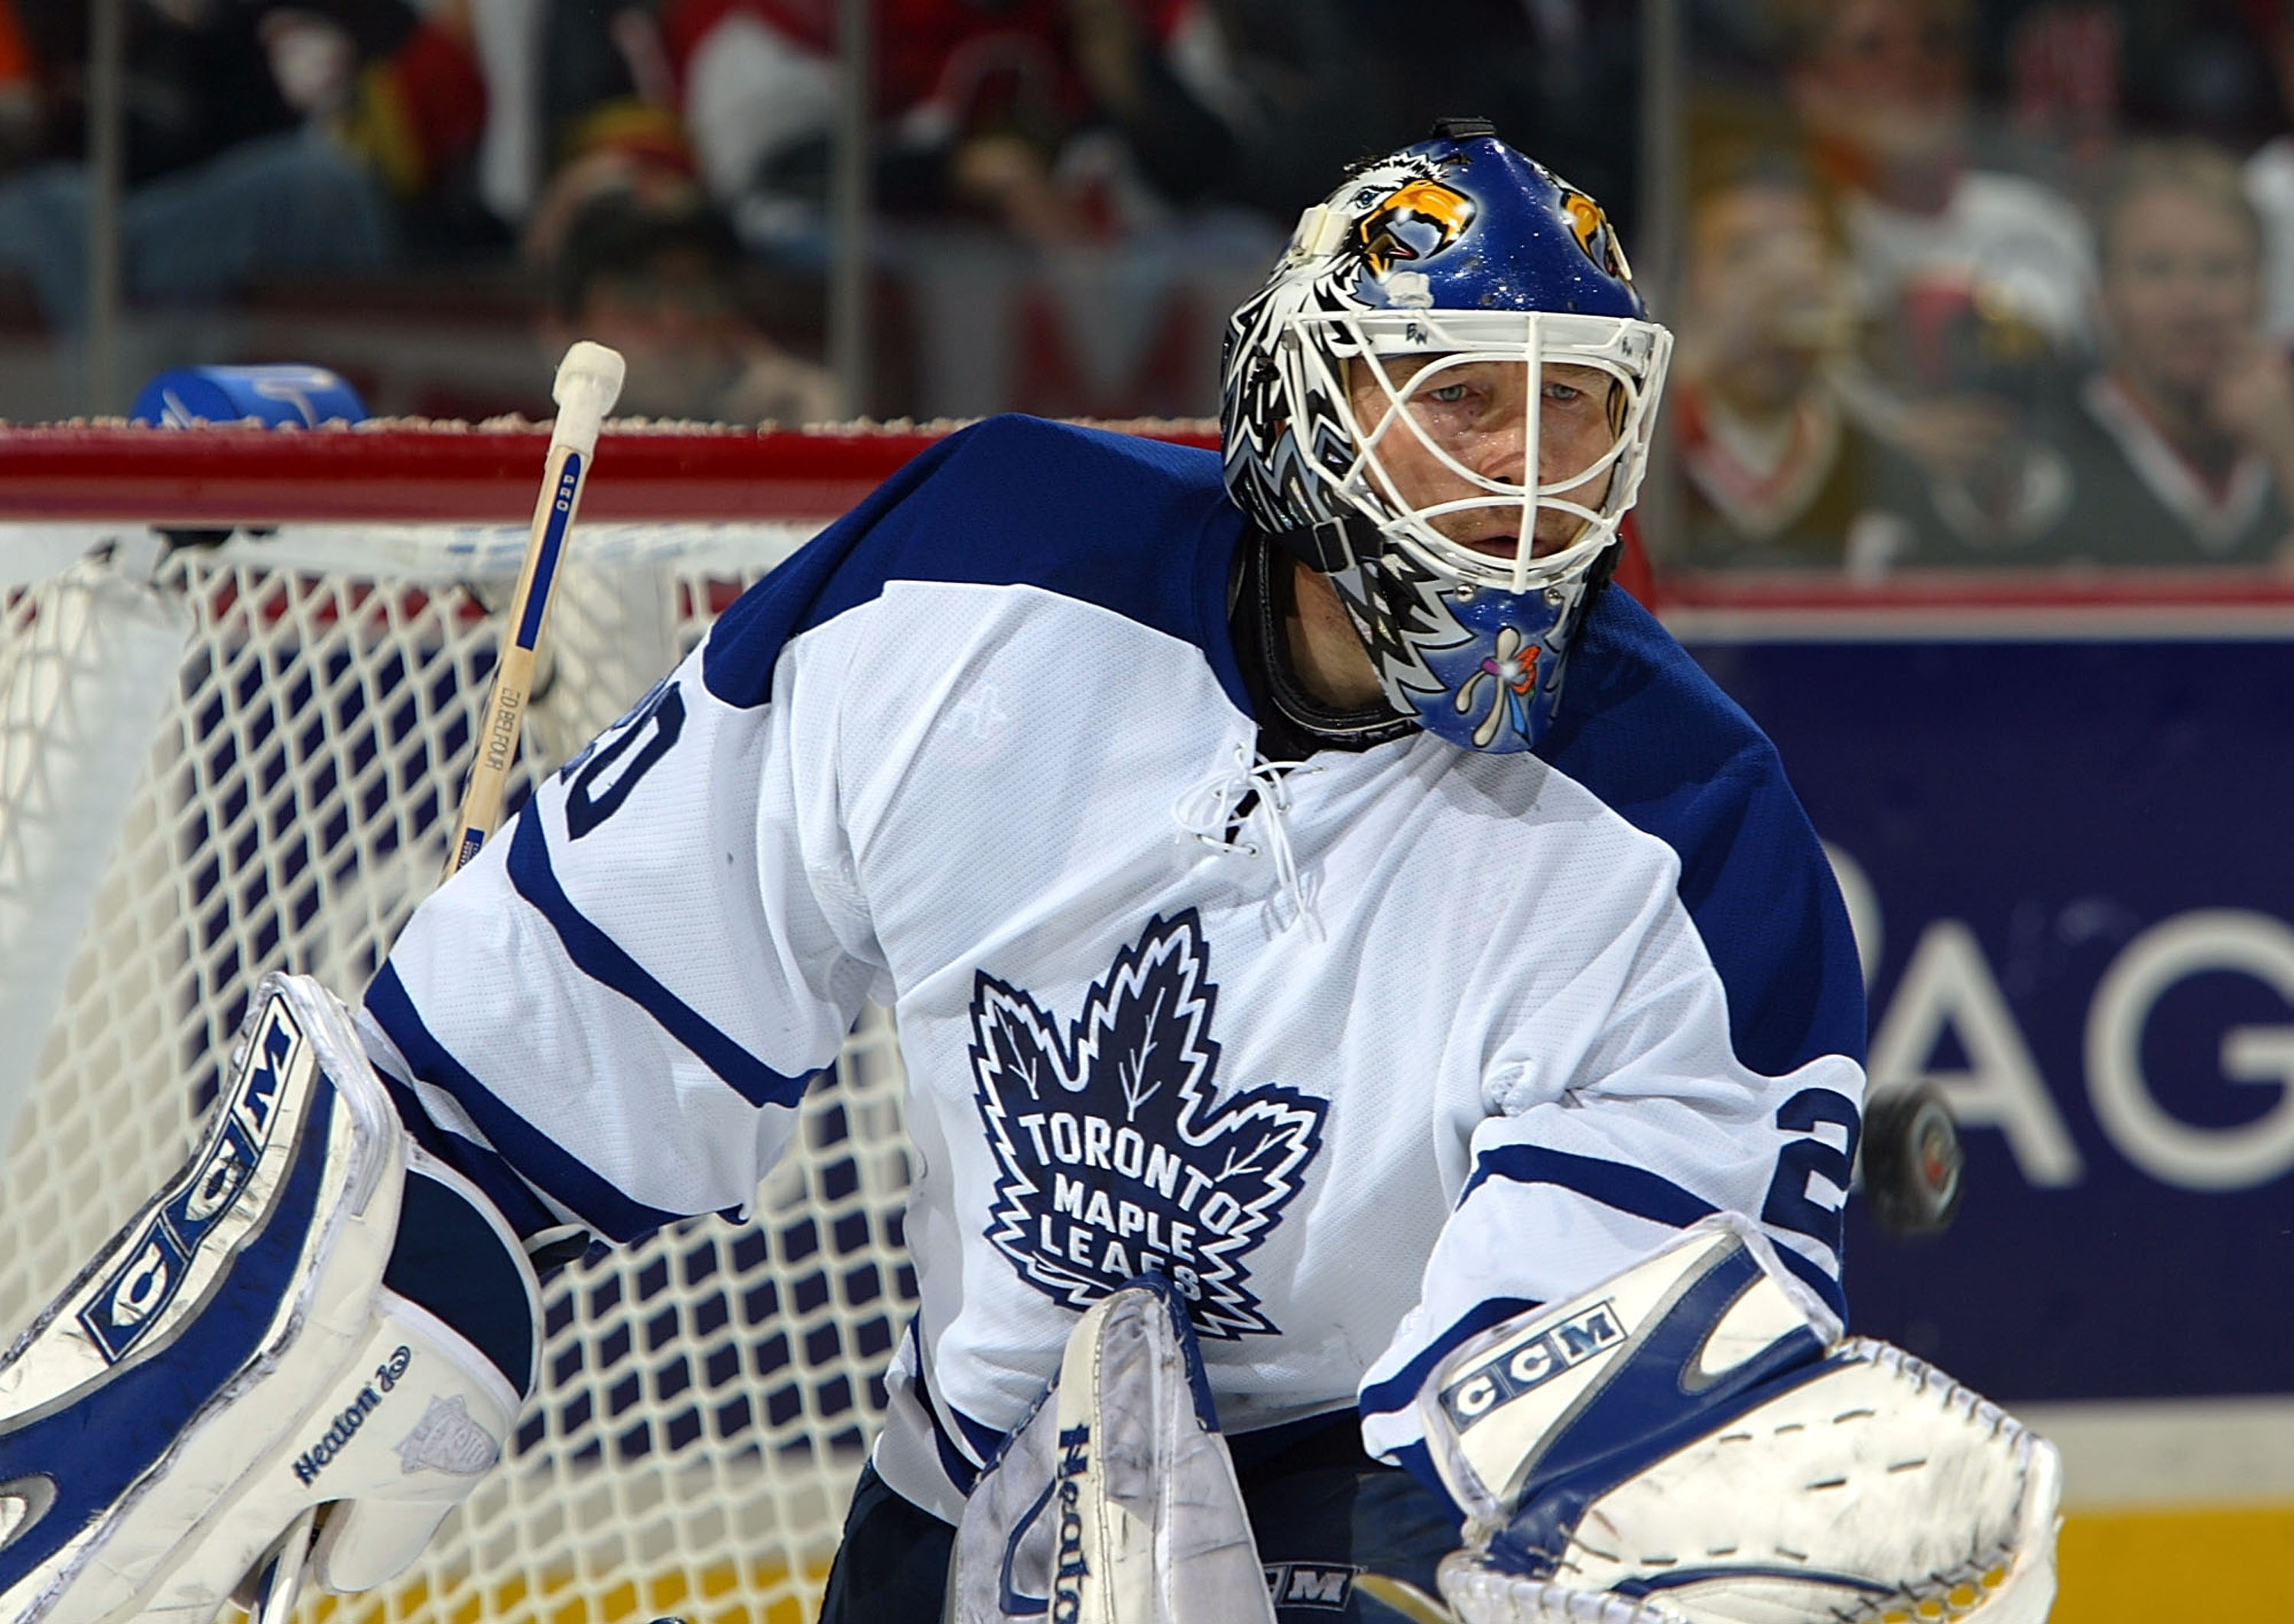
[[1512, 1371], [126, 1306], [1302, 1584]]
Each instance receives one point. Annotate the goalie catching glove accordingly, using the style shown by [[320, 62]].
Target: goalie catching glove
[[1693, 1442], [262, 1340]]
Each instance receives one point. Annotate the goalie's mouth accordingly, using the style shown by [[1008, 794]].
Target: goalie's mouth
[[1557, 528]]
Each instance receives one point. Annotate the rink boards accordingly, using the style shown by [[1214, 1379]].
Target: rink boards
[[2063, 831]]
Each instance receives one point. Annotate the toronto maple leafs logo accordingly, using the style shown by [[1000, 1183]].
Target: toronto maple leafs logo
[[1114, 1156]]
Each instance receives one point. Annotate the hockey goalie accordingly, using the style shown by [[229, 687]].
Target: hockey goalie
[[1383, 1046]]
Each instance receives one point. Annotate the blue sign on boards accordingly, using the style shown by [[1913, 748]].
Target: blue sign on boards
[[2080, 859]]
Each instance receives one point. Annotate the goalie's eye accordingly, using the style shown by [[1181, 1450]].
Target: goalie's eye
[[1449, 394]]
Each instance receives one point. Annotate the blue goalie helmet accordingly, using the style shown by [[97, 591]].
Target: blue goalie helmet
[[1443, 399]]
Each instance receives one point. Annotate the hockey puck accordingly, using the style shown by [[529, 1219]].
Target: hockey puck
[[1913, 1161]]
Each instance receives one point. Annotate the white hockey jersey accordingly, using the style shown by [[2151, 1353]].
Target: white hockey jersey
[[1365, 1054]]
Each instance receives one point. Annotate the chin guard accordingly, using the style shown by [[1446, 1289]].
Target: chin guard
[[1478, 666]]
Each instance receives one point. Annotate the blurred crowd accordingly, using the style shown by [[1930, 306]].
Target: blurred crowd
[[1973, 284], [1069, 192], [1961, 282]]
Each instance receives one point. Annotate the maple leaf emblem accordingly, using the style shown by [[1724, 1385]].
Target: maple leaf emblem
[[1114, 1156]]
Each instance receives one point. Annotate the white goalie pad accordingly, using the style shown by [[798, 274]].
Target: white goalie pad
[[1116, 1501], [1691, 1443], [234, 1359]]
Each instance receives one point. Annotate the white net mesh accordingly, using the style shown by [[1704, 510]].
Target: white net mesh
[[242, 760]]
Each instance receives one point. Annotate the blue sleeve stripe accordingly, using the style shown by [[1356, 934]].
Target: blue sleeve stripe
[[511, 1195], [980, 1439], [1396, 1392], [1817, 1280], [962, 1472], [1629, 1190], [599, 957], [547, 1165]]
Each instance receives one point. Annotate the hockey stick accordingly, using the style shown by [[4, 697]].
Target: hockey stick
[[1404, 1598], [588, 381]]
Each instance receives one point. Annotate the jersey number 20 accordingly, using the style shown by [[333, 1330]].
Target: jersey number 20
[[598, 791]]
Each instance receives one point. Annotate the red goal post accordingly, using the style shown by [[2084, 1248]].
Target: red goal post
[[239, 672]]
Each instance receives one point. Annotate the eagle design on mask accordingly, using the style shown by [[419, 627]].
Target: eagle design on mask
[[1594, 233], [1416, 222]]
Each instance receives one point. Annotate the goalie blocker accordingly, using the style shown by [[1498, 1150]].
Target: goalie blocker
[[259, 1342]]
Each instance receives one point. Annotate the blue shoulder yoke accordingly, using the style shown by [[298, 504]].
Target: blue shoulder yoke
[[1643, 727], [1141, 527]]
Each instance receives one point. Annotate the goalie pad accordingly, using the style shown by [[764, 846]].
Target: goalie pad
[[234, 1357], [1116, 1501], [1692, 1442]]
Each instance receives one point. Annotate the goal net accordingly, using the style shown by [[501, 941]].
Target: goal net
[[239, 679]]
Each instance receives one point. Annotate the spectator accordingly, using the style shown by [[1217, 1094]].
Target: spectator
[[2073, 74], [1775, 472], [650, 268], [1975, 286], [577, 78], [2184, 450], [979, 108], [2269, 180], [261, 139], [1881, 87], [397, 85]]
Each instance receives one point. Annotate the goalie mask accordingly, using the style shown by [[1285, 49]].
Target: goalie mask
[[1443, 400]]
